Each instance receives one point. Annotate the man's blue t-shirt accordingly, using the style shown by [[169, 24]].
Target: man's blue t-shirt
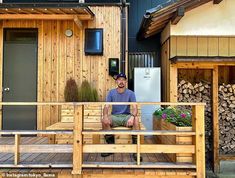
[[126, 96]]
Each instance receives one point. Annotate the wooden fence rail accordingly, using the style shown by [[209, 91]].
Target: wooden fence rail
[[197, 148]]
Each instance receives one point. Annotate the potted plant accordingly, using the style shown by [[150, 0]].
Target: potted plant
[[70, 95], [87, 93], [177, 119]]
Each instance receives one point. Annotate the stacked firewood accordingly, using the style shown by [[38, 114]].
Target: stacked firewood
[[227, 118], [199, 92]]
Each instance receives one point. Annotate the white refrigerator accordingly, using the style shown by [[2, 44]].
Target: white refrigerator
[[147, 87]]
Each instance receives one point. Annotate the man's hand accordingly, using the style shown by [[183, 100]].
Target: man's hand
[[130, 121], [106, 120]]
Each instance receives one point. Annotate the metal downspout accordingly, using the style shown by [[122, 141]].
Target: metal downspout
[[123, 36]]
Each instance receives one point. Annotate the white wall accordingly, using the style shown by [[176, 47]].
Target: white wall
[[208, 20]]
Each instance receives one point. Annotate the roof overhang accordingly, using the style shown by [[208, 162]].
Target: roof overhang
[[155, 19], [45, 11], [203, 59]]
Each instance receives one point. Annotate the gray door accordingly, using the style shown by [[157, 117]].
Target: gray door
[[20, 79]]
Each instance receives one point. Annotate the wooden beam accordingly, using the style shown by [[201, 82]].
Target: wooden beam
[[217, 1], [99, 103], [215, 101], [227, 157], [202, 59], [138, 150], [201, 65], [7, 149], [78, 22], [139, 132], [198, 125], [134, 165], [178, 15], [45, 132], [77, 140], [17, 149], [173, 83], [44, 17], [46, 165], [45, 148], [144, 148]]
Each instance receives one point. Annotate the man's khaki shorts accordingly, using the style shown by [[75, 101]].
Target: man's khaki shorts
[[120, 120]]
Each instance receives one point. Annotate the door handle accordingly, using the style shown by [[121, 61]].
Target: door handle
[[7, 89]]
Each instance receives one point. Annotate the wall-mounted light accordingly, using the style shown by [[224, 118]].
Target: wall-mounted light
[[68, 33]]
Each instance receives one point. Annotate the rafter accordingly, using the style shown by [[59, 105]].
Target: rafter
[[217, 1], [178, 15], [78, 22]]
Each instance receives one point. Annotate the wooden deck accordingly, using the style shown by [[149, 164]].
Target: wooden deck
[[66, 158], [24, 153]]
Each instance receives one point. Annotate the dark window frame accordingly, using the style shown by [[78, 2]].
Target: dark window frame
[[88, 49]]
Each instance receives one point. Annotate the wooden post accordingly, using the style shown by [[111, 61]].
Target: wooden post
[[199, 139], [17, 149], [173, 83], [138, 149], [77, 139], [215, 120]]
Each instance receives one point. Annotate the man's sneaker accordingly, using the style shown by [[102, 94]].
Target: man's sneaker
[[110, 140], [106, 154], [135, 157]]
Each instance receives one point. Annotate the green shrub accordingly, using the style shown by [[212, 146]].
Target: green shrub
[[71, 91], [95, 94], [87, 93], [177, 116]]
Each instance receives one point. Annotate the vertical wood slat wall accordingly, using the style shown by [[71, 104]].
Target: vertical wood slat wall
[[202, 46], [61, 57]]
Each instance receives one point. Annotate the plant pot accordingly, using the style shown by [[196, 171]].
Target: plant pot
[[160, 124]]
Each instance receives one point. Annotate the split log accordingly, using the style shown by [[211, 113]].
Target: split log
[[227, 118], [199, 92]]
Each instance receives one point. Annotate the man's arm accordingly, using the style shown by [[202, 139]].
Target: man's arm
[[134, 110], [106, 111], [134, 107]]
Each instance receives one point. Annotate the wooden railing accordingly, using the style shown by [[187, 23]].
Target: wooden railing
[[78, 148], [17, 148]]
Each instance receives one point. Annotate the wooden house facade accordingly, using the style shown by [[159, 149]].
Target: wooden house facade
[[59, 57], [57, 33], [198, 45]]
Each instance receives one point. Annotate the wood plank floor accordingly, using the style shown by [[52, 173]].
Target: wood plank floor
[[66, 158]]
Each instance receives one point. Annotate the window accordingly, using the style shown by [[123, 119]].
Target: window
[[93, 41]]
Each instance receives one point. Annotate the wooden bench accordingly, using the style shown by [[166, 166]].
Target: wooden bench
[[92, 121]]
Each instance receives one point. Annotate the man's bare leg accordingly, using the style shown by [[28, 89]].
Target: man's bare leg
[[106, 125], [136, 126]]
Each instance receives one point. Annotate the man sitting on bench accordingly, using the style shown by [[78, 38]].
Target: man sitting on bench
[[121, 115]]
